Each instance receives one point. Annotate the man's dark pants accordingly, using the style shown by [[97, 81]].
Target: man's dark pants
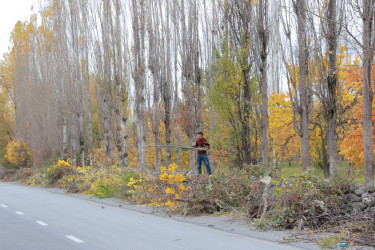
[[204, 158]]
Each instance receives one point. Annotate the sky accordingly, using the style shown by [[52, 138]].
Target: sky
[[12, 11]]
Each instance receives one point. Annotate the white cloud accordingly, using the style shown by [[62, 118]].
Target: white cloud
[[12, 11]]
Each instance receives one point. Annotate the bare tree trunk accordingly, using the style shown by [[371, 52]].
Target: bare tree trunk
[[73, 143], [89, 111], [107, 82], [192, 154], [143, 143], [158, 148], [332, 88], [154, 65], [81, 139], [89, 114], [117, 61], [300, 9], [212, 44], [155, 123], [368, 19], [263, 39], [245, 136], [176, 87], [187, 73], [111, 132], [106, 130], [167, 92], [325, 165], [125, 107], [65, 138], [177, 136], [264, 111], [212, 133], [138, 75], [125, 123], [167, 122], [86, 78]]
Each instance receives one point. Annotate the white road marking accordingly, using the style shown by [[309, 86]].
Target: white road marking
[[2, 205], [41, 223], [20, 213], [74, 239]]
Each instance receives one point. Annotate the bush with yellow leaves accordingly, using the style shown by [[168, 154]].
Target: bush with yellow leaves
[[19, 154], [172, 186], [57, 172], [107, 182], [101, 182], [137, 186]]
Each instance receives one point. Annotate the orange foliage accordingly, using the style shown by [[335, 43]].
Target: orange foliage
[[351, 147]]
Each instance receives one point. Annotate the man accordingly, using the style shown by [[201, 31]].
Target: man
[[202, 154]]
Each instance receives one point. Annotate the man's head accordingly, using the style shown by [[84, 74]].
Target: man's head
[[199, 135]]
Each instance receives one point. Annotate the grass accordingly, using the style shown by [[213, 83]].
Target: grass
[[346, 171], [294, 168], [105, 190]]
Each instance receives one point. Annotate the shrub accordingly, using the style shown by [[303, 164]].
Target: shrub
[[130, 176], [105, 190], [57, 172], [106, 183], [101, 182], [172, 185], [136, 187], [19, 154]]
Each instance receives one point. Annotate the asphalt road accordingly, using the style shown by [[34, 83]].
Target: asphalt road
[[32, 218]]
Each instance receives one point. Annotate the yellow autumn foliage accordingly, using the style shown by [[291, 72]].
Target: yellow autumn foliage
[[19, 153], [173, 187], [169, 190], [283, 137]]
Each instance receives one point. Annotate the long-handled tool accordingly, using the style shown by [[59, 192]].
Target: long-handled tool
[[178, 146]]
